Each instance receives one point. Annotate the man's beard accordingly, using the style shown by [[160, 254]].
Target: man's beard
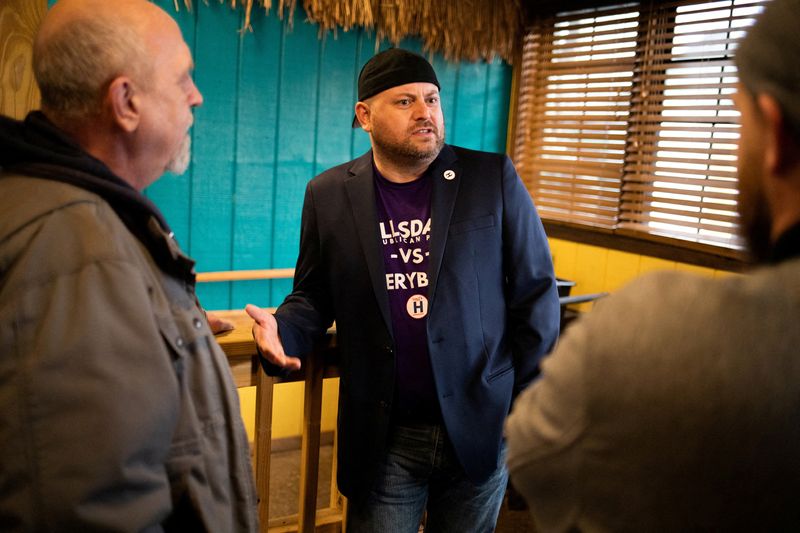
[[405, 152], [756, 228], [180, 161], [755, 220]]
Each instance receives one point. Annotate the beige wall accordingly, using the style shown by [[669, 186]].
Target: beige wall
[[18, 22]]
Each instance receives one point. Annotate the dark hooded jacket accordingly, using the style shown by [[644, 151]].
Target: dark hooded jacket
[[118, 410]]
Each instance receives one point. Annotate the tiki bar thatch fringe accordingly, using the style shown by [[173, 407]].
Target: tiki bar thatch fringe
[[459, 29], [283, 6]]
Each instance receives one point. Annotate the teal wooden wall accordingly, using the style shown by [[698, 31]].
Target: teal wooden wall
[[278, 108]]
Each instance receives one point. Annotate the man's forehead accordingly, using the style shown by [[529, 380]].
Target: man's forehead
[[415, 88]]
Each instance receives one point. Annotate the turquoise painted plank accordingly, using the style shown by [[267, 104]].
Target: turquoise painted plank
[[447, 74], [470, 97], [297, 138], [256, 134], [364, 52], [413, 45], [337, 97], [498, 97], [278, 110], [172, 193], [213, 180]]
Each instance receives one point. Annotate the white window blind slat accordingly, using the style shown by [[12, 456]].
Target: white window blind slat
[[625, 119]]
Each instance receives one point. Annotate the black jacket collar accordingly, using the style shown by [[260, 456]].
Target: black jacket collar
[[36, 147]]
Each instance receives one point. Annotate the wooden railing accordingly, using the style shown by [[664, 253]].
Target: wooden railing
[[240, 348], [242, 275]]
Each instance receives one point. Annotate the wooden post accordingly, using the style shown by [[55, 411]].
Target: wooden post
[[240, 348], [263, 441], [335, 496], [309, 453], [19, 21]]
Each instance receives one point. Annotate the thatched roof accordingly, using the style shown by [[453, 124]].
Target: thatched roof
[[458, 29]]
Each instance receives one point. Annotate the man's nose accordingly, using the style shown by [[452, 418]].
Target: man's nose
[[195, 97], [421, 110]]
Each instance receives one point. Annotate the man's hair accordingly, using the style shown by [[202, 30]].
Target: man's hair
[[768, 59], [74, 63]]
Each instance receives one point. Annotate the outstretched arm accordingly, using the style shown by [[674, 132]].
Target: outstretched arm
[[268, 339], [305, 314]]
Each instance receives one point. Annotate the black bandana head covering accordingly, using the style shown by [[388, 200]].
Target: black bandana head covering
[[391, 68]]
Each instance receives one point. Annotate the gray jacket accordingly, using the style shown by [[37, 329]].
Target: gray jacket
[[117, 408], [673, 406]]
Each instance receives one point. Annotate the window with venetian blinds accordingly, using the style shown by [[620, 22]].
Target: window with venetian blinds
[[624, 119]]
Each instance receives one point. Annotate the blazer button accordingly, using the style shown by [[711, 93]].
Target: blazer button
[[179, 342], [388, 349], [197, 323], [384, 405]]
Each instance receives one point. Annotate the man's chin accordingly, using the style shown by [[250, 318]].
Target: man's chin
[[428, 149], [180, 161]]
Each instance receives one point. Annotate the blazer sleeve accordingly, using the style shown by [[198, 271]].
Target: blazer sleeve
[[531, 296], [307, 313]]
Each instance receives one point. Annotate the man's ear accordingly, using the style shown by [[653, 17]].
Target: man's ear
[[363, 116], [779, 153], [124, 103]]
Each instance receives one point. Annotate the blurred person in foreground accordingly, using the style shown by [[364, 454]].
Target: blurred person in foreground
[[119, 412], [675, 406], [434, 264]]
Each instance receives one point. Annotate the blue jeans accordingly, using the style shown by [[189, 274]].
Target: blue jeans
[[420, 470]]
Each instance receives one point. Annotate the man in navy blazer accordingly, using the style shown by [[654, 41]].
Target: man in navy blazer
[[434, 264]]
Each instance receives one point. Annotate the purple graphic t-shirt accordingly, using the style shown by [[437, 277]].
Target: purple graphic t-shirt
[[404, 225]]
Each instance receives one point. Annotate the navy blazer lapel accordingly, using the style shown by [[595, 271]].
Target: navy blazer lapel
[[446, 176], [360, 188]]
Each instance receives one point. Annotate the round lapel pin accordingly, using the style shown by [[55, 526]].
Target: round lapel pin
[[449, 175]]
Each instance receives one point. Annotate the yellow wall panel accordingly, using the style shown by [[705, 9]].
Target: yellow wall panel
[[596, 269], [621, 267], [287, 408], [590, 268], [330, 403], [564, 253], [247, 404], [590, 271]]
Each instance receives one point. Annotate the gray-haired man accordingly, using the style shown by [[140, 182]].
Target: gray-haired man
[[118, 409]]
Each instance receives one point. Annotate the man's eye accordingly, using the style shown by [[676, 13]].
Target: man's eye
[[403, 101]]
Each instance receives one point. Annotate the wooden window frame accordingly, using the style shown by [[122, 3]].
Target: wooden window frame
[[675, 249]]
